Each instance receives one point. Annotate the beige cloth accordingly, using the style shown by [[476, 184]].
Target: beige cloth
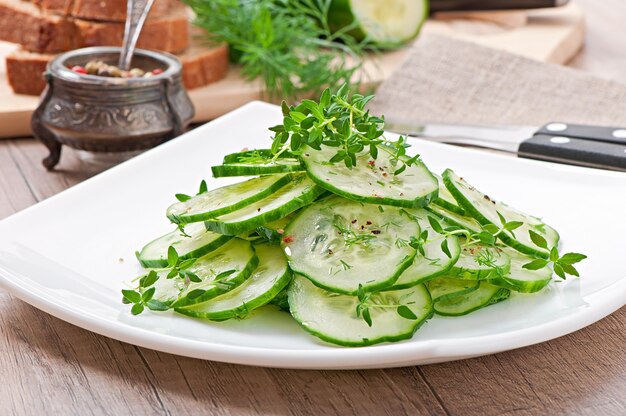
[[453, 81]]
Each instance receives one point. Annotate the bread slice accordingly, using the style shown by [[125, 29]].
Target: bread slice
[[202, 65], [22, 22], [38, 31], [107, 11], [169, 34]]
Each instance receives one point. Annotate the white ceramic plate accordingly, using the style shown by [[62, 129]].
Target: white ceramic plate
[[71, 255]]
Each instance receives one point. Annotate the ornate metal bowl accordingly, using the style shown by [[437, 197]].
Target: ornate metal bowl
[[105, 114]]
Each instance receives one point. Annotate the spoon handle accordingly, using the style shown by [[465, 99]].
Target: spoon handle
[[136, 14]]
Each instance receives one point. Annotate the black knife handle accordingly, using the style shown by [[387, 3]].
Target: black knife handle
[[574, 151], [466, 5], [578, 131]]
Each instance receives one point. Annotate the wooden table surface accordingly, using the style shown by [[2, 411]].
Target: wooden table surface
[[51, 367]]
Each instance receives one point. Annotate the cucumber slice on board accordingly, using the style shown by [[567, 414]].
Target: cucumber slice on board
[[301, 191], [271, 276], [387, 23], [199, 243], [477, 262], [221, 270], [372, 181], [226, 199], [485, 210], [332, 316], [520, 279], [445, 198], [341, 244], [444, 287], [435, 261], [487, 294]]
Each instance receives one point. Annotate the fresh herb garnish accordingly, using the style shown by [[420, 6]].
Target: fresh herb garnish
[[338, 121], [287, 44], [142, 297], [368, 301], [562, 265]]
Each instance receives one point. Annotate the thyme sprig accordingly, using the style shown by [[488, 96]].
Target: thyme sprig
[[562, 265], [368, 301], [339, 121]]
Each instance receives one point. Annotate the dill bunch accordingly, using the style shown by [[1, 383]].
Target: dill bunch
[[288, 44]]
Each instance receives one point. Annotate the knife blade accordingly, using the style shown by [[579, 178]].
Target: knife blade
[[573, 144], [467, 5]]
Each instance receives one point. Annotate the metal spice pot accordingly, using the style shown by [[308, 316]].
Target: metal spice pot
[[107, 114]]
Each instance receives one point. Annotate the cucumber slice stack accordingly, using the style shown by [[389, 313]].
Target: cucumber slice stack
[[357, 255]]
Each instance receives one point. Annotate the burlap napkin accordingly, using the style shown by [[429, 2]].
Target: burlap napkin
[[447, 80]]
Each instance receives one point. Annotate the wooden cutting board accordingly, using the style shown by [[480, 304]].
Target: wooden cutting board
[[552, 35]]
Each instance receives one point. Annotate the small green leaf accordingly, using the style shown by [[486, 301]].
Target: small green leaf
[[172, 256], [445, 249], [367, 317], [360, 293], [131, 295], [192, 276], [554, 254], [125, 301], [558, 269], [536, 264], [196, 293], [325, 98], [182, 197], [148, 294], [569, 269], [225, 274], [203, 187], [185, 264], [405, 312], [538, 239], [157, 305], [172, 273], [285, 108], [435, 225], [491, 228], [501, 217], [513, 225], [136, 309], [572, 258], [149, 279]]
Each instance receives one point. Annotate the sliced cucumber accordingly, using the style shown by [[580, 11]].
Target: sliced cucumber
[[445, 198], [454, 218], [227, 199], [372, 181], [387, 23], [272, 231], [487, 294], [255, 156], [435, 261], [478, 262], [271, 276], [281, 300], [299, 192], [198, 243], [341, 244], [247, 169], [444, 287], [520, 279], [221, 270], [333, 318], [486, 210]]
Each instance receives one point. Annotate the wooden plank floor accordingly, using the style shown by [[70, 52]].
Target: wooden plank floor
[[51, 367]]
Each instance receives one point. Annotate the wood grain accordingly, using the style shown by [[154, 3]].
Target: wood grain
[[51, 367]]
